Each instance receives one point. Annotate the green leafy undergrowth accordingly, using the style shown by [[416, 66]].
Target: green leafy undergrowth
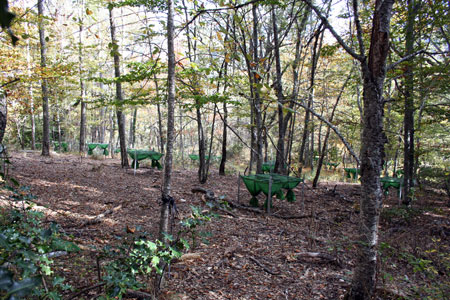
[[133, 262], [26, 250], [427, 271]]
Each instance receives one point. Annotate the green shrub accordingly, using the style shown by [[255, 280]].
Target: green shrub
[[26, 250]]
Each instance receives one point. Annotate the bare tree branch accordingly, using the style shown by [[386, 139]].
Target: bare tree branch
[[408, 57], [333, 32], [334, 128], [198, 14], [358, 28]]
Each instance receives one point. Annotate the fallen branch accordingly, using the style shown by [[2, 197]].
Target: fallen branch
[[209, 195], [57, 254], [334, 193], [296, 217], [322, 257], [89, 288], [138, 295], [97, 219], [263, 267], [248, 208]]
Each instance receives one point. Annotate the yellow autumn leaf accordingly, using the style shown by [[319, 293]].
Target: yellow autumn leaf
[[227, 58]]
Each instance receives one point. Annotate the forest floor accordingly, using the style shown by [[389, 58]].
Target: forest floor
[[304, 250]]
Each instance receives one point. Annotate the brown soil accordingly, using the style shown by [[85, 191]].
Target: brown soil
[[249, 255]]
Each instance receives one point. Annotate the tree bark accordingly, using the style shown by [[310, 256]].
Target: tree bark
[[3, 114], [202, 175], [32, 108], [133, 129], [167, 184], [408, 160], [119, 93], [280, 164], [224, 140], [256, 94], [45, 111], [306, 129], [372, 151], [82, 92]]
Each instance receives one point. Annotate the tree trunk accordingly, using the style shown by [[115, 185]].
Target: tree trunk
[[158, 97], [372, 151], [306, 126], [160, 127], [58, 122], [325, 142], [119, 93], [111, 132], [133, 129], [3, 114], [167, 184], [280, 164], [408, 160], [45, 113], [82, 147], [211, 141], [202, 175], [257, 98], [166, 198], [32, 109], [224, 140]]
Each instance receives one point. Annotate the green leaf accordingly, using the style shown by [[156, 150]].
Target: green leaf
[[24, 287], [15, 182], [5, 278], [45, 234], [155, 260], [46, 270], [63, 245]]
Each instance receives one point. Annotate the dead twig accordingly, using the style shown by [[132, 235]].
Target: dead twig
[[138, 295], [87, 289], [263, 267], [296, 217], [97, 219]]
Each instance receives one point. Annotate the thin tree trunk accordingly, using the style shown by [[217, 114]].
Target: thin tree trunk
[[111, 132], [306, 126], [257, 98], [224, 140], [325, 142], [45, 110], [160, 126], [82, 92], [280, 164], [202, 176], [102, 125], [58, 120], [166, 197], [167, 183], [208, 163], [158, 97], [119, 93], [3, 114], [408, 160], [33, 119], [133, 129]]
